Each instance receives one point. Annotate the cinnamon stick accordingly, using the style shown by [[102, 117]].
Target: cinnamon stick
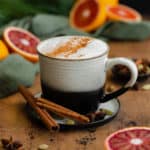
[[62, 111], [49, 122]]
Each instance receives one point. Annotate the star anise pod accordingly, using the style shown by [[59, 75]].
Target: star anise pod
[[94, 116], [9, 144]]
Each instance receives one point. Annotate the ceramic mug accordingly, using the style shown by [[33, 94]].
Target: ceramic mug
[[79, 83]]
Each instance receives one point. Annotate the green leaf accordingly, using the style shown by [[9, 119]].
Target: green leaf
[[12, 9], [125, 31]]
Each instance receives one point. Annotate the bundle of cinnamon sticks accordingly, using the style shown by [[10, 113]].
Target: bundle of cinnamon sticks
[[41, 106]]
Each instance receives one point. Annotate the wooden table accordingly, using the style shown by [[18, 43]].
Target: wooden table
[[135, 110]]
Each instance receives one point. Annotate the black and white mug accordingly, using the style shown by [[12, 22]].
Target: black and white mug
[[77, 81]]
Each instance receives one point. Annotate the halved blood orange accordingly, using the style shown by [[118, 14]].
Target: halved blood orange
[[3, 50], [22, 42], [123, 13], [135, 138], [87, 15]]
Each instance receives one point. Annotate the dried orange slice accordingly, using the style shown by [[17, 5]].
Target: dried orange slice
[[3, 50], [135, 138], [123, 13], [87, 15], [22, 42]]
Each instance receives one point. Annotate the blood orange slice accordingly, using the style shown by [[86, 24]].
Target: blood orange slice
[[87, 15], [22, 42], [123, 13], [136, 138]]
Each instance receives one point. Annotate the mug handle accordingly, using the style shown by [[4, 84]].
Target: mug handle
[[111, 62]]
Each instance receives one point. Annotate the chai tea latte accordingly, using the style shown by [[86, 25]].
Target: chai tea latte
[[73, 71], [74, 48]]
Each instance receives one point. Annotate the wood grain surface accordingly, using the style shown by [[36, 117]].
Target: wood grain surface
[[134, 111]]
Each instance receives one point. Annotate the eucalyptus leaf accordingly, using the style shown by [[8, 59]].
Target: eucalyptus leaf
[[22, 23], [125, 31], [15, 70], [45, 26]]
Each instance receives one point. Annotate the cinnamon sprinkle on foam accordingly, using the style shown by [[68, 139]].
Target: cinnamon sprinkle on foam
[[70, 47]]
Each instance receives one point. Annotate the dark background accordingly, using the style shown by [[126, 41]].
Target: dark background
[[141, 5]]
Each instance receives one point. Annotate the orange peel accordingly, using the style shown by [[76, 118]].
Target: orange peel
[[3, 50], [109, 2]]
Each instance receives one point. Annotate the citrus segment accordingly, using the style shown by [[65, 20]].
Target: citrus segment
[[123, 13], [22, 42], [87, 15], [136, 138], [3, 50]]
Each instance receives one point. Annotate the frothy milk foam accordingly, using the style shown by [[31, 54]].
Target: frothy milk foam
[[73, 47]]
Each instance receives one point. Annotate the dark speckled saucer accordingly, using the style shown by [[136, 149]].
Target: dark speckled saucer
[[113, 105]]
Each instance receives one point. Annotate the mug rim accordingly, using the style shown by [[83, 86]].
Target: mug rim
[[64, 59]]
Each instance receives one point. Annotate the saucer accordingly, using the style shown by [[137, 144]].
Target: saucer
[[113, 106]]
